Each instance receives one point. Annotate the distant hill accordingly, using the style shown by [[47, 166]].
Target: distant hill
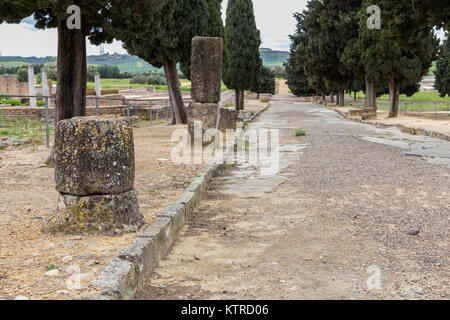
[[132, 64], [273, 58]]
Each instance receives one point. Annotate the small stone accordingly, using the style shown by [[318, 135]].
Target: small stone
[[62, 292], [92, 263], [162, 286], [419, 291], [52, 273], [29, 262], [73, 269], [67, 259], [21, 298], [413, 232], [70, 244], [85, 256]]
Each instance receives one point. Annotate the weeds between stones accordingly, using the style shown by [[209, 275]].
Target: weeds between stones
[[300, 132]]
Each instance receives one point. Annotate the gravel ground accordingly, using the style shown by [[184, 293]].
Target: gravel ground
[[325, 227]]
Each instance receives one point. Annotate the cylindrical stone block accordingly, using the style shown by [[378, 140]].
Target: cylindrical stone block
[[206, 69], [97, 214], [94, 156]]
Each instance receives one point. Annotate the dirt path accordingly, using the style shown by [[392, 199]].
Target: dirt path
[[341, 207]]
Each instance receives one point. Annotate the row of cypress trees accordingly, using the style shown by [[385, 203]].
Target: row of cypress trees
[[333, 48]]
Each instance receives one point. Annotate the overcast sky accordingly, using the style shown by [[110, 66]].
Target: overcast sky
[[273, 18]]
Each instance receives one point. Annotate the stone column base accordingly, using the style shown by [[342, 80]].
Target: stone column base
[[96, 214]]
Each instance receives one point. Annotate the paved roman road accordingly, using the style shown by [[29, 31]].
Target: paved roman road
[[337, 215]]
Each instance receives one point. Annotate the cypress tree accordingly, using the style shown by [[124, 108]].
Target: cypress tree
[[172, 45], [388, 55], [214, 28], [443, 70], [297, 80], [330, 25], [436, 12], [265, 82], [242, 40]]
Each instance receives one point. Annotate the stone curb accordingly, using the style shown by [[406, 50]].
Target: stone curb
[[410, 130], [123, 276], [127, 272]]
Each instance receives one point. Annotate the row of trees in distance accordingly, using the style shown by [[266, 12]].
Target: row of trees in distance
[[334, 50]]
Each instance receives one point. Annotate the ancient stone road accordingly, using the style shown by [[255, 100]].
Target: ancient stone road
[[336, 216]]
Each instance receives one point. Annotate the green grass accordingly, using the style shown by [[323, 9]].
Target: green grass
[[125, 83], [442, 106], [418, 96], [23, 129], [9, 101], [300, 132]]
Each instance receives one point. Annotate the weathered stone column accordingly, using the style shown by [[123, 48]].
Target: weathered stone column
[[98, 87], [31, 85], [94, 174], [45, 89], [206, 79]]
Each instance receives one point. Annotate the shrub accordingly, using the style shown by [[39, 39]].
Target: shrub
[[9, 101], [139, 79], [300, 132], [22, 75]]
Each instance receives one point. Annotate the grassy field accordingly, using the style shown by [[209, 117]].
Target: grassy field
[[33, 132], [125, 83], [419, 96], [421, 101]]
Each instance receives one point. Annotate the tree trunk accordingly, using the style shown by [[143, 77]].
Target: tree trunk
[[394, 92], [176, 99], [332, 97], [241, 103], [72, 76], [370, 101], [341, 98], [354, 96], [72, 72], [237, 100], [323, 97], [338, 97]]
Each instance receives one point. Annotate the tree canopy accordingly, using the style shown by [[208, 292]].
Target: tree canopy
[[171, 44], [242, 61], [443, 70], [297, 79]]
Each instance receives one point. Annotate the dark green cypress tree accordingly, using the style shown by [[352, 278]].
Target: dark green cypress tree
[[242, 41], [400, 58], [214, 28], [443, 70], [436, 12], [331, 25], [265, 82], [297, 80]]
